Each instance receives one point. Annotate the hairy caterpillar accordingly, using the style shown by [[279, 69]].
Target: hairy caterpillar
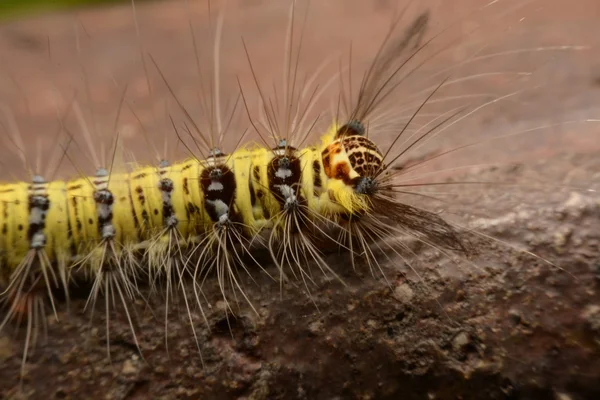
[[156, 248]]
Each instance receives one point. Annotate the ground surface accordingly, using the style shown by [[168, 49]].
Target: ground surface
[[500, 325]]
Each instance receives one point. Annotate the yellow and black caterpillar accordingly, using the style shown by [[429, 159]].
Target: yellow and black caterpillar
[[98, 220], [207, 215]]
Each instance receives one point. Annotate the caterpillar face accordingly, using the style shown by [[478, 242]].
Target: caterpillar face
[[353, 158]]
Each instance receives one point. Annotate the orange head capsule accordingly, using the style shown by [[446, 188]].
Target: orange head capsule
[[353, 158]]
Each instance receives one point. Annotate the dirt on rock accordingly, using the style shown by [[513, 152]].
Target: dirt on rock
[[518, 319]]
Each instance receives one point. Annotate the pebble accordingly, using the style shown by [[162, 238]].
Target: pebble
[[515, 316], [130, 367], [562, 396], [460, 341], [591, 315], [315, 327], [403, 293]]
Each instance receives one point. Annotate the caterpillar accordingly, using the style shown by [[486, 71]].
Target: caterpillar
[[178, 224]]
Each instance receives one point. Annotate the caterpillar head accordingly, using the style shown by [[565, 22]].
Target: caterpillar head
[[353, 158]]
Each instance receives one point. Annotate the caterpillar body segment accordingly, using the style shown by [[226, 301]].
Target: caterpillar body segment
[[32, 244], [34, 277], [145, 197], [81, 216], [57, 240]]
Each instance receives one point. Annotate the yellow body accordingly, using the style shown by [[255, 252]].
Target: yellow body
[[72, 228]]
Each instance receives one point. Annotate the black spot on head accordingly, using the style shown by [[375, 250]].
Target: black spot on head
[[90, 221], [358, 142], [156, 211], [20, 227], [342, 171]]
